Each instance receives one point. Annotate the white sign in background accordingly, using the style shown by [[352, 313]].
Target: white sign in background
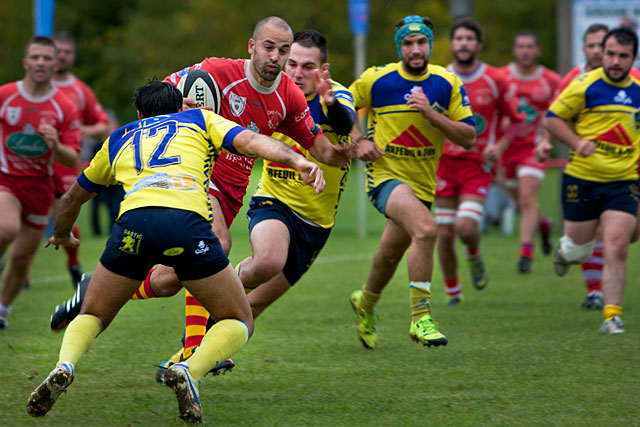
[[612, 13]]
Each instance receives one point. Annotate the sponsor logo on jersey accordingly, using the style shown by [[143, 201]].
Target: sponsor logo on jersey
[[27, 144], [173, 251], [481, 123], [253, 127], [531, 114], [202, 249], [237, 104], [411, 143], [13, 115], [275, 118], [131, 242], [622, 98], [301, 115]]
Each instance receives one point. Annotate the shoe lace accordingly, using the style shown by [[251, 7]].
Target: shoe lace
[[427, 326]]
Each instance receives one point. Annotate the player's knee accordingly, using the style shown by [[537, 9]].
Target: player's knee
[[527, 203], [446, 233], [575, 253], [8, 233], [425, 231], [267, 267]]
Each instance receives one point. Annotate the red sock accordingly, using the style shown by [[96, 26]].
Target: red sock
[[452, 286], [72, 253], [145, 291], [545, 225], [472, 253], [526, 249], [195, 324], [592, 269]]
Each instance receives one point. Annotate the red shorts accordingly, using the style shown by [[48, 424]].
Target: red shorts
[[35, 195], [518, 161], [458, 176], [229, 196], [63, 178]]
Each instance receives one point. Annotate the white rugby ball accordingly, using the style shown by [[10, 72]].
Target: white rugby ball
[[200, 85]]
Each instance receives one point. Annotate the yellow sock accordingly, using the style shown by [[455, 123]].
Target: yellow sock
[[611, 310], [420, 297], [79, 337], [224, 339], [368, 301], [195, 324]]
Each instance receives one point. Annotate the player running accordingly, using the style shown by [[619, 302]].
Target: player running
[[464, 176], [38, 125], [413, 106], [536, 87]]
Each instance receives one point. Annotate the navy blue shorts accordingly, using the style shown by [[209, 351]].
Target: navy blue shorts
[[181, 239], [306, 240], [584, 200], [380, 194]]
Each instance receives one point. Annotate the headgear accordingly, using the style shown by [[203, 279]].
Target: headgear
[[412, 24]]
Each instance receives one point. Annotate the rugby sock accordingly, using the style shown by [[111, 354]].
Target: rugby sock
[[592, 269], [526, 249], [420, 296], [222, 341], [611, 310], [145, 291], [368, 301], [545, 225], [472, 253], [72, 253], [452, 286], [195, 324], [79, 337]]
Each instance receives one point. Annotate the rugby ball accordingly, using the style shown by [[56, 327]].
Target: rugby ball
[[199, 85]]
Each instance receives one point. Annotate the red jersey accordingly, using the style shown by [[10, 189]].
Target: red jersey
[[81, 95], [491, 98], [534, 93], [281, 107], [22, 151]]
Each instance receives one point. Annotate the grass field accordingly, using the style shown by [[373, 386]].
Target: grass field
[[521, 352]]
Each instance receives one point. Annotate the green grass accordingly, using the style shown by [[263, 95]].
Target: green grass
[[521, 352]]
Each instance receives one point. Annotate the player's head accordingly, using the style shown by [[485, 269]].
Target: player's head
[[269, 48], [466, 40], [526, 49], [157, 98], [413, 36], [620, 51], [592, 45], [308, 53], [66, 47], [39, 60]]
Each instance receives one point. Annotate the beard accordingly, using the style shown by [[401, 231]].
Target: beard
[[468, 61], [617, 79], [268, 75], [415, 70]]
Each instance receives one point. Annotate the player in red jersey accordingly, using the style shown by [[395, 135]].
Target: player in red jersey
[[93, 121], [536, 87], [37, 125], [464, 176]]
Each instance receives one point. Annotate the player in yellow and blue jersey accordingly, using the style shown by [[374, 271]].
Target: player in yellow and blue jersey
[[413, 107], [164, 163], [289, 225], [598, 117]]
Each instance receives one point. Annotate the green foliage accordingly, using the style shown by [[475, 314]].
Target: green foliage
[[123, 44]]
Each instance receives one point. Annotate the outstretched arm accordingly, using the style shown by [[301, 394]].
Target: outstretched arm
[[248, 142]]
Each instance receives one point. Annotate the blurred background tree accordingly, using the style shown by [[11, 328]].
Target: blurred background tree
[[123, 44]]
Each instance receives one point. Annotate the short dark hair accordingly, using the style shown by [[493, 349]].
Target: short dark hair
[[469, 24], [65, 37], [594, 28], [312, 38], [526, 33], [42, 40], [624, 35], [157, 98]]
